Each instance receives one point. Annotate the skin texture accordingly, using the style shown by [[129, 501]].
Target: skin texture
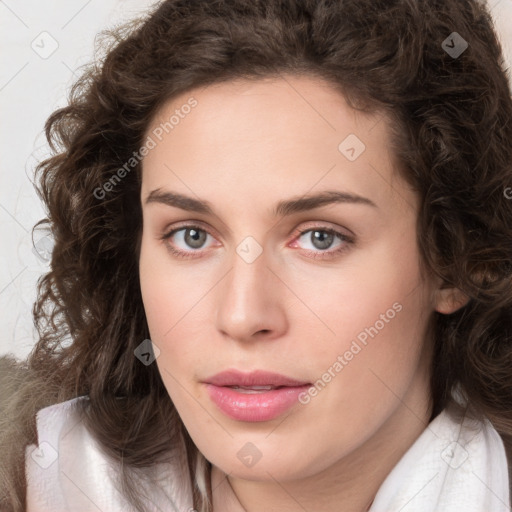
[[243, 148]]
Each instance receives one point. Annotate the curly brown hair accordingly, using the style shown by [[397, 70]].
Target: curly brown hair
[[452, 136]]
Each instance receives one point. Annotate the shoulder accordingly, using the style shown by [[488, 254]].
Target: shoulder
[[457, 463], [68, 470], [52, 420]]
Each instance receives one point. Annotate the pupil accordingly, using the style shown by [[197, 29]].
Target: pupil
[[196, 237], [324, 238]]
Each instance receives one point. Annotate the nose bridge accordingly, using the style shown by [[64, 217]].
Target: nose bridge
[[246, 276], [248, 302]]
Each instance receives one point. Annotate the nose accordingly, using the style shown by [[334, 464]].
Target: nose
[[250, 301]]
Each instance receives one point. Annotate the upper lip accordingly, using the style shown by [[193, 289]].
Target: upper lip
[[254, 378]]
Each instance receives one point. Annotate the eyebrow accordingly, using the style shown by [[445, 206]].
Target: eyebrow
[[283, 208]]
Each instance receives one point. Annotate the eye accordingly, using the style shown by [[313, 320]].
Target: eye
[[189, 237], [192, 239], [322, 238]]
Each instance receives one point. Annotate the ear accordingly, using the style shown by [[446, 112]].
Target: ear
[[449, 299]]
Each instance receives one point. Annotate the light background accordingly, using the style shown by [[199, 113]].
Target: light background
[[33, 84]]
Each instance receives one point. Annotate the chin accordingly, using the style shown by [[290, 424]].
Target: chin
[[267, 468]]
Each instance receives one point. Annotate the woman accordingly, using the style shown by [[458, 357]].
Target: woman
[[282, 267]]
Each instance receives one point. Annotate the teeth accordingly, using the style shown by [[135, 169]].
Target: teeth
[[252, 389]]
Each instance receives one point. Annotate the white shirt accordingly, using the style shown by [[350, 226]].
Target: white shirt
[[455, 465], [69, 472]]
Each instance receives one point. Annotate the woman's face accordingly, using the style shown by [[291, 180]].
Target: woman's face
[[230, 284]]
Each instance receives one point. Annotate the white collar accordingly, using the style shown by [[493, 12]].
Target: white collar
[[455, 464]]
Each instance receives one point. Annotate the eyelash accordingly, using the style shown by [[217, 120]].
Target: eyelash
[[324, 255]]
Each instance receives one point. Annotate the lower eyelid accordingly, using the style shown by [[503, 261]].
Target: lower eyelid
[[346, 240]]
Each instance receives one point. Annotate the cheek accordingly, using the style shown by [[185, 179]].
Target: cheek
[[168, 291], [157, 294], [374, 316], [164, 303], [172, 298], [390, 355], [377, 287]]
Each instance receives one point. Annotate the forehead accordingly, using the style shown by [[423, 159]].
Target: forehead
[[268, 103], [291, 132]]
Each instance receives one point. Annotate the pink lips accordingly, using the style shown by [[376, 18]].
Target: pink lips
[[255, 396]]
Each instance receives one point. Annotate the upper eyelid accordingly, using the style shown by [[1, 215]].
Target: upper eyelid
[[346, 241], [187, 224], [296, 232]]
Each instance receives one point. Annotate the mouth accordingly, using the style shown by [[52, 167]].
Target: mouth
[[254, 389], [256, 396], [254, 379]]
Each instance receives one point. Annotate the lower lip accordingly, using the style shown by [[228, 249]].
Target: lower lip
[[262, 406]]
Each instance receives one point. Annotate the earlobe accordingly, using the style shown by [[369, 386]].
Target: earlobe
[[448, 300]]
